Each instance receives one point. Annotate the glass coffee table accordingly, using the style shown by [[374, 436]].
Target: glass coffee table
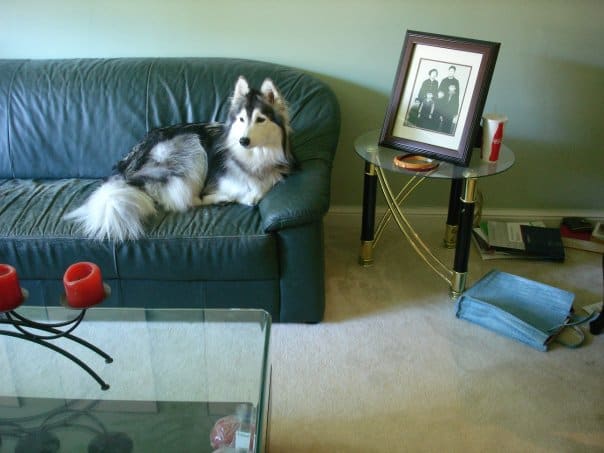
[[177, 378]]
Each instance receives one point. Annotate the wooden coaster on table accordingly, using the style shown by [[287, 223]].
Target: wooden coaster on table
[[415, 162]]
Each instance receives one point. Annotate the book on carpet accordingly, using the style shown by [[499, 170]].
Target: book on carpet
[[581, 240], [518, 240], [598, 233], [578, 224], [543, 243], [486, 251]]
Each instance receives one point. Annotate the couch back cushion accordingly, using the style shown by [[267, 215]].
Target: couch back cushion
[[76, 118]]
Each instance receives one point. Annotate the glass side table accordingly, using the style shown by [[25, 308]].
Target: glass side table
[[458, 230]]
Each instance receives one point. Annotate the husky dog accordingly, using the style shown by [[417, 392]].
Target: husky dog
[[183, 166]]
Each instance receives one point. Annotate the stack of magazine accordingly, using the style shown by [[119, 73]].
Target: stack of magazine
[[580, 233], [497, 239]]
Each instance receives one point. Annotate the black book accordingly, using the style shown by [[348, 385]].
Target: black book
[[543, 243]]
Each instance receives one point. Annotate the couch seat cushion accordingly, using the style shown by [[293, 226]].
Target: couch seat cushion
[[218, 243]]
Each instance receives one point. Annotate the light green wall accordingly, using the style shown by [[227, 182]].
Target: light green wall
[[549, 78]]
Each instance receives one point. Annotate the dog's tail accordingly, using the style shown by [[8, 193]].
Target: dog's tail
[[114, 211]]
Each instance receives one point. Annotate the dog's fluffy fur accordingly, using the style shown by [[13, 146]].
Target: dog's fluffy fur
[[183, 166]]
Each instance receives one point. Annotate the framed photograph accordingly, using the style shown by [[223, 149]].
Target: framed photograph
[[439, 92]]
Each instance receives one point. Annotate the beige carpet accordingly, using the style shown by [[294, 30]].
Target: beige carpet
[[392, 370]]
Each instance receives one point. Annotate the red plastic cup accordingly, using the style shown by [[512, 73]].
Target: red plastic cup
[[11, 295], [83, 285], [492, 136]]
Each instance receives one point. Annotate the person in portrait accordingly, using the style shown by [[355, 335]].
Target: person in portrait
[[426, 117], [439, 107], [448, 109], [430, 85], [412, 118], [448, 81]]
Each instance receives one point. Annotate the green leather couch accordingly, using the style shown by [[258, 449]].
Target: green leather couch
[[64, 123]]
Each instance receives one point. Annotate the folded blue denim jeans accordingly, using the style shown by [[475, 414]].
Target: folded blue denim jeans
[[525, 310]]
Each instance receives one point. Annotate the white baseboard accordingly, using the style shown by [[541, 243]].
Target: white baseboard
[[354, 212]]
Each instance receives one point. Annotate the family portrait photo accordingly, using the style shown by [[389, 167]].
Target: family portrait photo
[[439, 91]]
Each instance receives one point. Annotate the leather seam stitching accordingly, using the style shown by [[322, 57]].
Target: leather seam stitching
[[8, 117], [147, 95]]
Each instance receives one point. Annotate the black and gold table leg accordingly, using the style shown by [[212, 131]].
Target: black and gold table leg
[[368, 221], [464, 235], [453, 213]]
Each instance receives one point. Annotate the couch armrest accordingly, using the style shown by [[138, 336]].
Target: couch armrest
[[301, 198]]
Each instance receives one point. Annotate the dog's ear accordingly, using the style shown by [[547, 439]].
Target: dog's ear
[[270, 92], [241, 88]]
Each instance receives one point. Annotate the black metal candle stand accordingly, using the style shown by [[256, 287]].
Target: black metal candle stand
[[24, 327]]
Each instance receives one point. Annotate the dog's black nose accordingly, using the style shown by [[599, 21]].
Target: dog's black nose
[[244, 141]]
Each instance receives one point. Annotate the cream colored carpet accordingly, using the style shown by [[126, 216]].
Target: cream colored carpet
[[392, 370]]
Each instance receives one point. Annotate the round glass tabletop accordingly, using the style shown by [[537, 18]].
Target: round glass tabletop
[[367, 147]]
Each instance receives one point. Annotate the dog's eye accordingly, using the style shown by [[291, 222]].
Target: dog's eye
[[260, 119], [241, 119]]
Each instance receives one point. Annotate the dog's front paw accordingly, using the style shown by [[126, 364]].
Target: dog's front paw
[[250, 200], [214, 199], [207, 200]]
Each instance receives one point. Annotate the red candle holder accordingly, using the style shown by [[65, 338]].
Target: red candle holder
[[84, 285], [11, 294]]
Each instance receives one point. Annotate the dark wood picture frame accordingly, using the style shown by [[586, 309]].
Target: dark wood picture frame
[[421, 123]]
